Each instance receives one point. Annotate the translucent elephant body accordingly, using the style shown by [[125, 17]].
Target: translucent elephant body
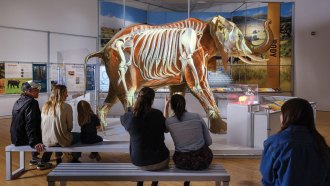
[[175, 55]]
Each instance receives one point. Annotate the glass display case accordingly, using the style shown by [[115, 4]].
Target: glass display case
[[246, 94]]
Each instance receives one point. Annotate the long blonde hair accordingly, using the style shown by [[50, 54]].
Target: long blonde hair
[[55, 101], [84, 112]]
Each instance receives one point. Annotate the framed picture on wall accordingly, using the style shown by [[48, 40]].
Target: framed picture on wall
[[15, 75], [40, 75]]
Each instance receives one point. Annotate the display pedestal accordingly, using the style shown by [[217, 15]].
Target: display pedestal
[[265, 124], [239, 124]]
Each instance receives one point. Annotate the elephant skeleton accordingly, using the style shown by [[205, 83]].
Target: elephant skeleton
[[175, 55]]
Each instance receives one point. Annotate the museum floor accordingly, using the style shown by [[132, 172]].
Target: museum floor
[[243, 171]]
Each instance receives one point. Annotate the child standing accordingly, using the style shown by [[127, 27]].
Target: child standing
[[89, 124]]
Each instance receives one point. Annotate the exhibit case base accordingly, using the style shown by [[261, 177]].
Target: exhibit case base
[[220, 147], [250, 125]]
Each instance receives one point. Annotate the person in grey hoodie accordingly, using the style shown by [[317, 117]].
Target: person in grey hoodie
[[190, 135]]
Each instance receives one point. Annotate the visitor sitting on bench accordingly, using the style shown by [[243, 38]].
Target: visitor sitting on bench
[[57, 123], [89, 124], [25, 126], [190, 135], [146, 127]]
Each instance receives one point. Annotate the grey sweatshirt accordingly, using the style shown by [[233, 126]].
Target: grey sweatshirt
[[189, 134]]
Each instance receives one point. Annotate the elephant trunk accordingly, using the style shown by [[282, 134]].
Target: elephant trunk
[[263, 47]]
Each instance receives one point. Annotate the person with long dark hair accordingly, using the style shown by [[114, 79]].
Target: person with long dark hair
[[89, 123], [146, 127], [297, 154], [190, 135]]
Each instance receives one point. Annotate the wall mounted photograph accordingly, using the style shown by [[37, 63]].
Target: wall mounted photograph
[[74, 75], [40, 75], [15, 75], [90, 71], [2, 79]]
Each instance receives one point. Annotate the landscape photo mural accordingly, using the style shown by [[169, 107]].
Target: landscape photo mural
[[251, 21]]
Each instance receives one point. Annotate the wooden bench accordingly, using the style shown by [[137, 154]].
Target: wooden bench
[[105, 146], [128, 172]]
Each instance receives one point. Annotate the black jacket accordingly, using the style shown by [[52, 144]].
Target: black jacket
[[26, 122], [88, 134], [147, 146]]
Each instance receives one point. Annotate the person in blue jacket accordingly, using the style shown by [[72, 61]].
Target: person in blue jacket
[[297, 154]]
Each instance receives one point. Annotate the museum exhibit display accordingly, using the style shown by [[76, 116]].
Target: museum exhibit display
[[250, 123], [175, 55], [210, 52], [243, 101]]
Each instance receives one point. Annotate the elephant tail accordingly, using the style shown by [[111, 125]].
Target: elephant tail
[[98, 54]]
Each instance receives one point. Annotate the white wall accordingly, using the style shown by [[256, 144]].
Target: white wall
[[71, 17], [312, 64], [65, 16]]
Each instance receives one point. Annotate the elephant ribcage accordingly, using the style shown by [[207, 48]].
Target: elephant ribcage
[[157, 53]]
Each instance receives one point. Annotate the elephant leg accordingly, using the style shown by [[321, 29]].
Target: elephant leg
[[122, 65], [217, 124], [127, 99], [204, 95], [110, 100]]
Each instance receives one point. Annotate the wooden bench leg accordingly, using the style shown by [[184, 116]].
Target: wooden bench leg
[[9, 174], [62, 183]]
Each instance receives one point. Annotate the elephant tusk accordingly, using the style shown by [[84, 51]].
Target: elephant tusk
[[255, 58], [245, 60]]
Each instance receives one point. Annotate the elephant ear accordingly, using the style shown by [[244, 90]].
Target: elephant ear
[[216, 26]]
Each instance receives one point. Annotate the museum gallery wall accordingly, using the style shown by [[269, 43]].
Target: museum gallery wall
[[14, 74]]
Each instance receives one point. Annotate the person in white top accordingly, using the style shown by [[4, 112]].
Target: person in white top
[[57, 122]]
